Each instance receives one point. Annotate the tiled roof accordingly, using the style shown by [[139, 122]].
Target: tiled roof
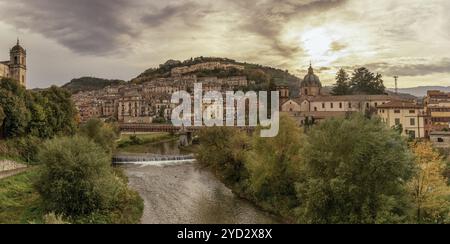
[[400, 104], [352, 98]]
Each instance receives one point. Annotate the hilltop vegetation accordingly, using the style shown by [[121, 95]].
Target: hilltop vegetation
[[262, 75], [90, 84]]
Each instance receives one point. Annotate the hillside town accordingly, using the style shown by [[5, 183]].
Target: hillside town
[[148, 101], [144, 101]]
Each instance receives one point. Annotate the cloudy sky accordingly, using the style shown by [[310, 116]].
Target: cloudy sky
[[66, 39]]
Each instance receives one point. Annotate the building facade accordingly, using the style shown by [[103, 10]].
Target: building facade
[[16, 67], [410, 117], [437, 106]]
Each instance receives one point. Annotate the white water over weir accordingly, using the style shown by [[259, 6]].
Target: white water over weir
[[152, 159]]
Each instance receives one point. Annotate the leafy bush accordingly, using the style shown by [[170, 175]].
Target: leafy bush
[[354, 171], [76, 178], [134, 140], [101, 133], [223, 150], [273, 164]]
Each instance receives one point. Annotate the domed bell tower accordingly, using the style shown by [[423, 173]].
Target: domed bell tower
[[18, 64], [310, 85]]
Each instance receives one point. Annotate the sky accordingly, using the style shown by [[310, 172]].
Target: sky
[[119, 39]]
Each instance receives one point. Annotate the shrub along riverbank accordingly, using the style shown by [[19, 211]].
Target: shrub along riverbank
[[73, 175], [352, 170], [141, 143]]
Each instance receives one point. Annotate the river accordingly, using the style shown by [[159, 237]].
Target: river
[[185, 194]]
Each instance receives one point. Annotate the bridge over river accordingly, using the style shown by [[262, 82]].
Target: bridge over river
[[143, 127]]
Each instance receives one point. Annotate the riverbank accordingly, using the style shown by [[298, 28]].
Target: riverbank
[[19, 201], [141, 142]]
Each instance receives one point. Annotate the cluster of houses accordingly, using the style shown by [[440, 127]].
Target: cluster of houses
[[143, 103], [429, 119]]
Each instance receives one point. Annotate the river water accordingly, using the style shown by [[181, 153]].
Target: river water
[[185, 194]]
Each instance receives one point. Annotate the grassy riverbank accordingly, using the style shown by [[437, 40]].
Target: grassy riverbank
[[140, 143], [20, 203]]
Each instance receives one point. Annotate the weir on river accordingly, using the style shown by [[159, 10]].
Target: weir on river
[[149, 158]]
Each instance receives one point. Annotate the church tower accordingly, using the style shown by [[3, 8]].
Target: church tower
[[310, 85], [18, 64]]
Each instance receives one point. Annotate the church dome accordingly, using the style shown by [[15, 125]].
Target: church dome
[[311, 80], [17, 48]]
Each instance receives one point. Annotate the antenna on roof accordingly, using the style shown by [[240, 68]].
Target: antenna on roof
[[396, 84]]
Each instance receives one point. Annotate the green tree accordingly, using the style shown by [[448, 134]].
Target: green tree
[[355, 171], [61, 111], [398, 128], [2, 116], [342, 86], [365, 82], [223, 150], [101, 133], [76, 178], [12, 100], [273, 164]]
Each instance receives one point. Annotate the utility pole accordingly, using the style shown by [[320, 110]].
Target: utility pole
[[396, 84]]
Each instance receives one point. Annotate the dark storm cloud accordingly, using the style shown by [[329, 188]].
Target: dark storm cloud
[[189, 11], [420, 69], [102, 27], [84, 26]]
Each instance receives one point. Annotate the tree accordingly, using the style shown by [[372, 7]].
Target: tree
[[223, 150], [42, 114], [76, 178], [354, 171], [2, 116], [273, 165], [61, 111], [101, 133], [429, 187], [365, 82], [342, 86], [398, 128]]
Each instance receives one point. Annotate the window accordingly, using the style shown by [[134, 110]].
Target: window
[[340, 105], [349, 105], [306, 92], [367, 105], [397, 121], [331, 105], [412, 122], [323, 105], [376, 104], [440, 140], [412, 111], [397, 111], [16, 60], [315, 109]]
